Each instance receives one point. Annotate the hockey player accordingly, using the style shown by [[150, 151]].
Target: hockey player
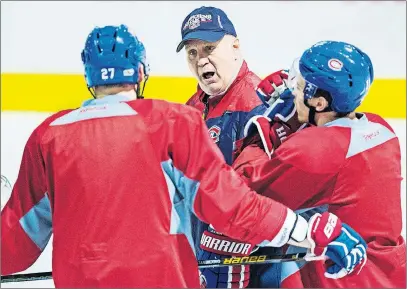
[[347, 163], [116, 179], [227, 99]]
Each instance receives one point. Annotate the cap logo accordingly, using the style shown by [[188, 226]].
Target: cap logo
[[335, 64], [195, 20]]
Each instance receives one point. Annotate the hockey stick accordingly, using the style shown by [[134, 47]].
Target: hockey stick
[[233, 261], [254, 260], [26, 277]]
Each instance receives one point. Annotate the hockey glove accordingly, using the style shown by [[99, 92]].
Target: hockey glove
[[265, 133], [216, 246], [332, 238], [278, 121], [272, 87], [278, 98]]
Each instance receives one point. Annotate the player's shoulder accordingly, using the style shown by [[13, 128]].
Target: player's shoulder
[[372, 117], [316, 149], [164, 110], [40, 130], [322, 136], [47, 121]]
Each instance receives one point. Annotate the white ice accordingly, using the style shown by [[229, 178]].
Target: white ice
[[16, 127]]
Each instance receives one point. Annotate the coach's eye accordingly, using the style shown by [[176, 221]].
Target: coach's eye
[[192, 53]]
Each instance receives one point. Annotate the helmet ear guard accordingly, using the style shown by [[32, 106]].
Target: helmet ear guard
[[139, 53]]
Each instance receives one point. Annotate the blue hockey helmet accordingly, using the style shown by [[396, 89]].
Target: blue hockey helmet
[[339, 68], [112, 56]]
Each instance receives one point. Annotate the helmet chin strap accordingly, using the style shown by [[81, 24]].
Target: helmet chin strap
[[140, 95], [311, 114], [92, 92], [146, 75]]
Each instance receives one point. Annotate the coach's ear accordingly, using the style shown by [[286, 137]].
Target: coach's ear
[[236, 43]]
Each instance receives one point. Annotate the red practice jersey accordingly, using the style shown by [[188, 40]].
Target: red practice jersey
[[351, 168], [116, 182]]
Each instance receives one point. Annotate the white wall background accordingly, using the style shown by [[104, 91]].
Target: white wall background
[[48, 37]]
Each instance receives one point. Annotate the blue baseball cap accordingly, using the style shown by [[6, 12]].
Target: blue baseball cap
[[206, 23]]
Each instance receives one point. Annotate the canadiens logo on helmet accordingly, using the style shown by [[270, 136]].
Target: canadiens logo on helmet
[[214, 133], [335, 64]]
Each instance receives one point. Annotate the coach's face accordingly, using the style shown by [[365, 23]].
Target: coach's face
[[212, 63]]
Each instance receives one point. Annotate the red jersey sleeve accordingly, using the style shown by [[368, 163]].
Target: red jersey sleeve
[[26, 223], [295, 169], [26, 219], [218, 196]]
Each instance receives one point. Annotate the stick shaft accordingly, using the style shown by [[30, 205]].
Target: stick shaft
[[251, 260], [26, 277], [232, 261]]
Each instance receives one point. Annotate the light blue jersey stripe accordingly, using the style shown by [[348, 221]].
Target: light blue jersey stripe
[[107, 106], [182, 191], [365, 135], [368, 137], [37, 223]]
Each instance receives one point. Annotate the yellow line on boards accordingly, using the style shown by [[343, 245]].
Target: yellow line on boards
[[54, 92]]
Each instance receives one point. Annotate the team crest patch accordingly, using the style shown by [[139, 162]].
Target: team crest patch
[[195, 21], [335, 64], [214, 133]]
